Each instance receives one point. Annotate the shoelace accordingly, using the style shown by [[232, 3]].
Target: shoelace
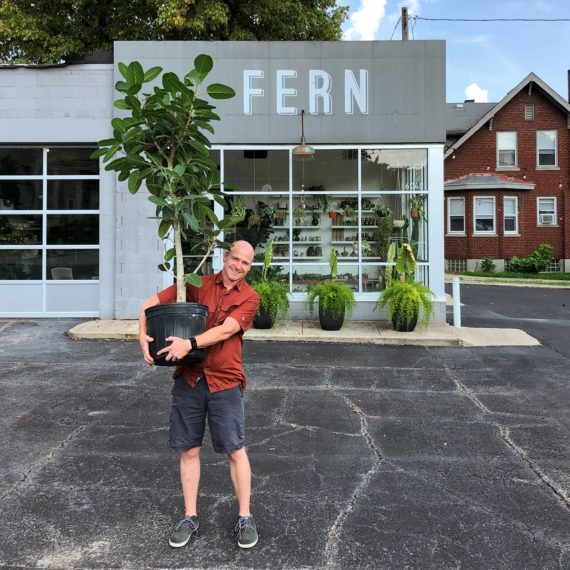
[[244, 523], [184, 521]]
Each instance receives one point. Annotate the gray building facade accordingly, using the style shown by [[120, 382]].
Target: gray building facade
[[374, 112]]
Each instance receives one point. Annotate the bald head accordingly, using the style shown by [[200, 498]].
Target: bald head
[[237, 262], [244, 248]]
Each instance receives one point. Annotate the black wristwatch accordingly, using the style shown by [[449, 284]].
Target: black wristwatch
[[193, 343]]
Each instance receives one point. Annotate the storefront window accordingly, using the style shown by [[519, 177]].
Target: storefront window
[[20, 194], [73, 194], [24, 264], [20, 161], [72, 264], [33, 213], [330, 207]]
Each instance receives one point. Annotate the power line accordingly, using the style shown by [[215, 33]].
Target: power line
[[491, 19], [394, 31]]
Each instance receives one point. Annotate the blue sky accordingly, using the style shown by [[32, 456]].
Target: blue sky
[[484, 59]]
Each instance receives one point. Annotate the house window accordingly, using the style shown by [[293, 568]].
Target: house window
[[546, 154], [529, 112], [484, 215], [511, 215], [506, 149], [546, 211], [456, 215]]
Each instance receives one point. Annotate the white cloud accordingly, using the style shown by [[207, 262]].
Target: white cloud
[[365, 22], [475, 92]]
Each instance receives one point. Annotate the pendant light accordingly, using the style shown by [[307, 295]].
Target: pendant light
[[303, 150]]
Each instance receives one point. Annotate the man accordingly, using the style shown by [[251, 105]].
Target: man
[[212, 388]]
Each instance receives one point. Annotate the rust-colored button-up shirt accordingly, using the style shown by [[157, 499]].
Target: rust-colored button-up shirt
[[222, 366]]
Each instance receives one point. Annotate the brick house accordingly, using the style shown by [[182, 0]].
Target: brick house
[[507, 175]]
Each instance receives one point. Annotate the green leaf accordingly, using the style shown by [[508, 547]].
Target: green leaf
[[164, 266], [164, 228], [191, 221], [158, 201], [121, 86], [169, 254], [118, 125], [333, 263], [203, 64], [135, 73], [199, 148], [123, 69], [193, 279], [219, 91], [97, 153], [171, 83], [121, 104], [152, 73], [194, 78], [180, 169], [134, 182]]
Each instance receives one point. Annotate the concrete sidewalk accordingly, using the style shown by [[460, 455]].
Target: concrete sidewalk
[[354, 332]]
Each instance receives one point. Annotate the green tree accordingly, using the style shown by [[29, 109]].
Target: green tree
[[44, 31]]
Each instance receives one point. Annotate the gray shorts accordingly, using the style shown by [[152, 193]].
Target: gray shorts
[[191, 406]]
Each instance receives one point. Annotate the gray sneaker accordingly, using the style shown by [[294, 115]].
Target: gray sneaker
[[246, 532], [183, 531]]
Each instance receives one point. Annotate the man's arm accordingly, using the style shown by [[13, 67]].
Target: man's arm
[[180, 347], [144, 339]]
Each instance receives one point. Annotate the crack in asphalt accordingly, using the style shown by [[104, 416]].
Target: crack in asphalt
[[334, 534]]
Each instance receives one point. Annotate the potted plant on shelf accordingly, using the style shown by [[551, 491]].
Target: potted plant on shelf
[[408, 302], [161, 143], [417, 214], [273, 295], [336, 299]]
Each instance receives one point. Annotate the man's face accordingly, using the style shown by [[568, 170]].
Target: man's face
[[237, 263]]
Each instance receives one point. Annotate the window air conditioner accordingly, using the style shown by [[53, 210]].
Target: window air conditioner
[[546, 218]]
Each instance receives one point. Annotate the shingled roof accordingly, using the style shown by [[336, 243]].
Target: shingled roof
[[530, 80], [487, 182]]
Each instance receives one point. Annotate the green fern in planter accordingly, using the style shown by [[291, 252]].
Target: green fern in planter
[[333, 296], [273, 295], [404, 297]]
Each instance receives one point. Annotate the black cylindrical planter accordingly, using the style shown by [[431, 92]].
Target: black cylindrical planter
[[404, 325], [330, 322], [263, 320], [183, 320]]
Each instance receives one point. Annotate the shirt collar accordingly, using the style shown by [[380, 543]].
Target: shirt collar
[[220, 280]]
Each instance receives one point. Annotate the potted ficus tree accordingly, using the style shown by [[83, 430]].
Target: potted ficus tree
[[273, 295], [408, 302], [160, 142], [336, 299]]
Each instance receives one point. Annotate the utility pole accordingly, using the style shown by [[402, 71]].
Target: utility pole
[[404, 23]]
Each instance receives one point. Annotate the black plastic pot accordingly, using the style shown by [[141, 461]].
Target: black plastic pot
[[403, 325], [183, 320], [330, 322], [263, 320]]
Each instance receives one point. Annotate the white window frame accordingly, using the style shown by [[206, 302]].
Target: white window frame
[[553, 212], [477, 232], [507, 166], [516, 230], [529, 112], [547, 166], [449, 230]]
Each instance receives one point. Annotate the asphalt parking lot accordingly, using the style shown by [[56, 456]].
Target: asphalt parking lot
[[363, 457]]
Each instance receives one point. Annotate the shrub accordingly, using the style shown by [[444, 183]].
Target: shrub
[[537, 261], [488, 265]]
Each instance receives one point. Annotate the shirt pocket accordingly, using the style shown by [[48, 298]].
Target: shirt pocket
[[224, 312]]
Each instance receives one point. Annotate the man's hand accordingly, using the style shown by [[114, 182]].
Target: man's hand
[[144, 340], [177, 349]]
